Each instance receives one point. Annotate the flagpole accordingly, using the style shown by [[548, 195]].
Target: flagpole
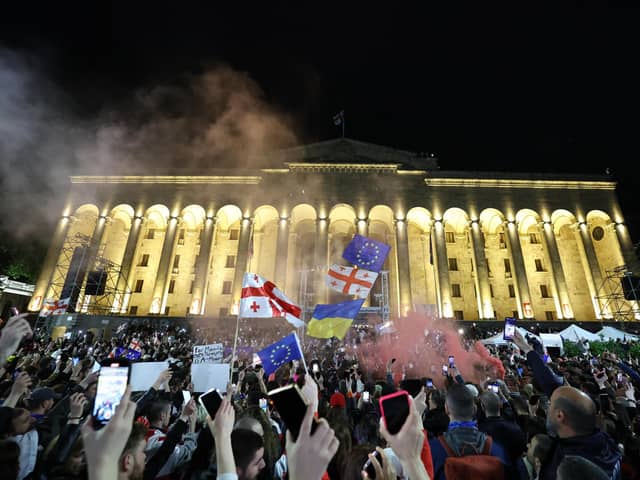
[[343, 122], [304, 363], [235, 343]]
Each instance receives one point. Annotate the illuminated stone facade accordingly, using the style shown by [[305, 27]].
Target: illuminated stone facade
[[476, 245]]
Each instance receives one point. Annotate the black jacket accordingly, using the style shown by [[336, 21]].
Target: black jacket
[[598, 448], [506, 433]]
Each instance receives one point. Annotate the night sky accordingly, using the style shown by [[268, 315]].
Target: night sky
[[497, 91]]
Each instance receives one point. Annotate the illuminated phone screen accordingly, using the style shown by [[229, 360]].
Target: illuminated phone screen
[[112, 384]]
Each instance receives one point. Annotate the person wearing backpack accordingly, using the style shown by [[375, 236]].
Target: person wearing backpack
[[463, 451]]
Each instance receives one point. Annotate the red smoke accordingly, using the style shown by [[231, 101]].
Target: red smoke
[[420, 355]]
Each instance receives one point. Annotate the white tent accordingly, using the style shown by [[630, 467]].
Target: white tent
[[574, 333], [552, 340], [610, 333], [498, 339]]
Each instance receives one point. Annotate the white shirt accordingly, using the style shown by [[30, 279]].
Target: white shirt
[[28, 444]]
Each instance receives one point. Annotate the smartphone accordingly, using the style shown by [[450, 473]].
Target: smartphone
[[211, 401], [96, 367], [368, 465], [291, 405], [494, 387], [263, 404], [604, 401], [445, 370], [75, 361], [429, 383], [452, 362], [186, 396], [315, 368], [394, 409], [112, 383], [509, 328], [619, 377], [413, 386], [366, 396]]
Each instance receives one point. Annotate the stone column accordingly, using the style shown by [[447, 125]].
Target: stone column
[[404, 277], [485, 305], [202, 266], [241, 258], [158, 298], [626, 246], [442, 266], [126, 267], [551, 246], [523, 295], [322, 259], [50, 262], [591, 266], [282, 246]]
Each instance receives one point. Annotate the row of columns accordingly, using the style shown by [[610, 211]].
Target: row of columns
[[321, 257]]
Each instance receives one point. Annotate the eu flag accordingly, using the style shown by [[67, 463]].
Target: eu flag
[[279, 353], [366, 253]]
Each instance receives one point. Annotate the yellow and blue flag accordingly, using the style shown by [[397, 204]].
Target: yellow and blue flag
[[333, 320], [279, 353], [366, 253]]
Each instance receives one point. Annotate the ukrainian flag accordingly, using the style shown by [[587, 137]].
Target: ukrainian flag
[[333, 320]]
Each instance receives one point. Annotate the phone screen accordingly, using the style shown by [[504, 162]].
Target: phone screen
[[75, 361], [263, 404], [509, 328], [186, 395], [211, 401], [112, 384], [429, 383], [452, 362], [445, 370], [291, 406], [315, 368], [365, 396], [395, 410], [494, 387], [369, 468]]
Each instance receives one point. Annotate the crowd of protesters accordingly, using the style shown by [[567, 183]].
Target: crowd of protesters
[[559, 418]]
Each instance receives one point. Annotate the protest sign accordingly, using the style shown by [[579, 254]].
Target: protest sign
[[211, 353], [143, 374], [206, 376]]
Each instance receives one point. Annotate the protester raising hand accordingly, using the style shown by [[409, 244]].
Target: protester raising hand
[[103, 447], [221, 428], [12, 334], [407, 444], [20, 386], [309, 455]]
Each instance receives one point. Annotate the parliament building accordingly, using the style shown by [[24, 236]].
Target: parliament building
[[466, 245]]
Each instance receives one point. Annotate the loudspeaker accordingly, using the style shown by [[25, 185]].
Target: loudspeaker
[[75, 276], [96, 281], [631, 287]]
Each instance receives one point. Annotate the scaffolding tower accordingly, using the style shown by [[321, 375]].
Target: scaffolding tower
[[111, 296], [614, 301]]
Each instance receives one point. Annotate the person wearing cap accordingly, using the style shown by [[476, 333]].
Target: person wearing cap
[[41, 401], [338, 400]]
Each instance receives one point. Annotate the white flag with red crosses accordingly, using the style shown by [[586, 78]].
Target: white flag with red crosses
[[262, 299], [350, 280]]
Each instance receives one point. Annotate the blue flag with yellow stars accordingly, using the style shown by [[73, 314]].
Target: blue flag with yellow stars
[[279, 353], [366, 253]]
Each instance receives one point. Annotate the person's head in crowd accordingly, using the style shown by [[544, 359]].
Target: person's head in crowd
[[248, 453], [9, 459], [42, 400], [573, 467], [490, 404], [571, 413], [74, 465], [14, 421], [459, 403], [159, 414], [437, 399], [133, 458], [538, 449], [338, 400]]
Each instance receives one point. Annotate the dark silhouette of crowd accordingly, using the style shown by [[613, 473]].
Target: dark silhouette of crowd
[[560, 417]]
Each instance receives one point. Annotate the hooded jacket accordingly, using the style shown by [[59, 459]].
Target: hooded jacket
[[598, 448]]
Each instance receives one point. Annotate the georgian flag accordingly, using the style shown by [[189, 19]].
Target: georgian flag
[[54, 307], [351, 281], [262, 299]]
